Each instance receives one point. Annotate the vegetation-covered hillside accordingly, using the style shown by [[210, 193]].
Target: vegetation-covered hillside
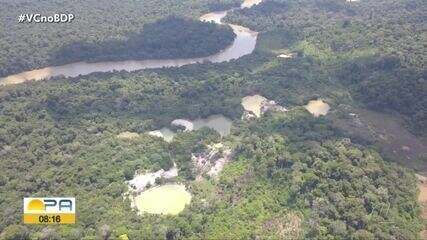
[[375, 47], [290, 175]]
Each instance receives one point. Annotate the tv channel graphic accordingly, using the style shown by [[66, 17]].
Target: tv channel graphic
[[50, 210]]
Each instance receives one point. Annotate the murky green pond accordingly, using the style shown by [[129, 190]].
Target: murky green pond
[[166, 199]]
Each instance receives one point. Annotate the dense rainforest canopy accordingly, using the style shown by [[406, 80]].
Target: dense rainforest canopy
[[377, 47], [292, 175], [164, 39], [288, 168], [97, 23]]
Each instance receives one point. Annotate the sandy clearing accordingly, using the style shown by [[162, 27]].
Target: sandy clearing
[[317, 107], [253, 104], [127, 135]]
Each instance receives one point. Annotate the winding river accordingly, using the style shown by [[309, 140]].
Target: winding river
[[243, 44]]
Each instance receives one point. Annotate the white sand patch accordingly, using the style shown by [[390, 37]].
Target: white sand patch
[[215, 17], [202, 164], [217, 146], [212, 161], [257, 105], [406, 148], [164, 133], [37, 74], [289, 55], [141, 181], [171, 173], [272, 106], [138, 189], [253, 104], [127, 135], [317, 107], [219, 163], [156, 133], [188, 125], [217, 168], [250, 3]]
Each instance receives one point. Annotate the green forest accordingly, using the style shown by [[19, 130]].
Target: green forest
[[97, 23], [287, 166], [167, 38], [375, 47], [292, 175]]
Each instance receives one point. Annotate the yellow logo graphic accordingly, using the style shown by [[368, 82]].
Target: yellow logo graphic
[[35, 205], [49, 210]]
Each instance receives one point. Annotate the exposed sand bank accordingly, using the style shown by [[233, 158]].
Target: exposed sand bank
[[317, 107], [164, 133], [256, 105], [127, 135]]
